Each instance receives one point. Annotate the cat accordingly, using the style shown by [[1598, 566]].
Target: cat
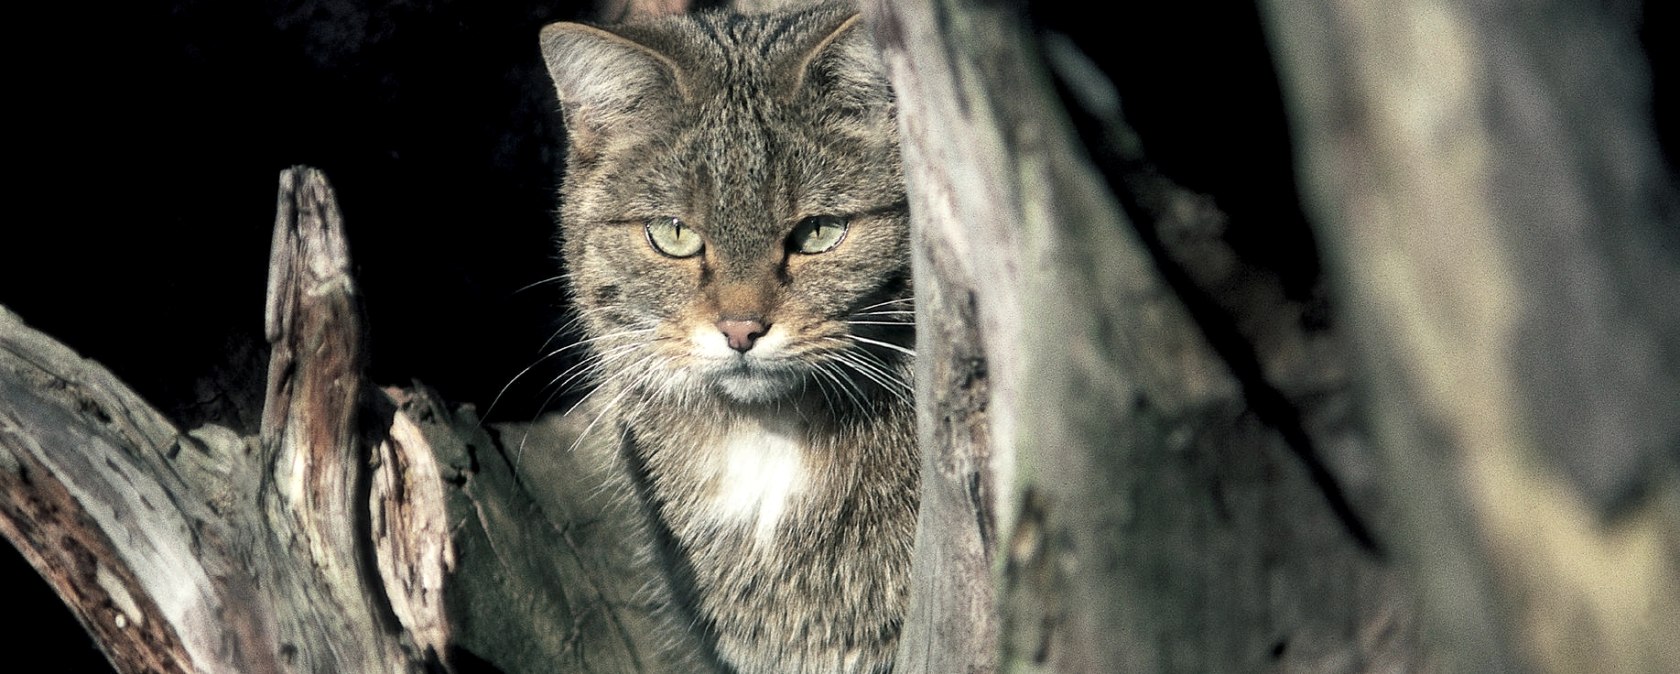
[[734, 222]]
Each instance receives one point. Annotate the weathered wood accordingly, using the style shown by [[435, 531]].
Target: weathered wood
[[414, 549], [208, 552], [363, 531], [317, 509], [1086, 448], [1500, 227], [79, 499], [139, 527]]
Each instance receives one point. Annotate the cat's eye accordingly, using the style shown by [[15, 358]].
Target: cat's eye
[[817, 234], [671, 237]]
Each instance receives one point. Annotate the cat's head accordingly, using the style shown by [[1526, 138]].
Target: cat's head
[[733, 212]]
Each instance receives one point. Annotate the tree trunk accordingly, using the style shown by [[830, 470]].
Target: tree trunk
[[1142, 493], [1139, 381]]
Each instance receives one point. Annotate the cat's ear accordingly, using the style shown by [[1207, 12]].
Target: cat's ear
[[843, 69], [610, 86]]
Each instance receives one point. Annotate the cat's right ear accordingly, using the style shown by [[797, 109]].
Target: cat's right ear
[[610, 86]]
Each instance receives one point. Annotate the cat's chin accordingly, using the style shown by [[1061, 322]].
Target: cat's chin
[[760, 386]]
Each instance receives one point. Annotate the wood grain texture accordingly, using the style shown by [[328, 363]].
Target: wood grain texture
[[102, 496], [1096, 471], [61, 536], [312, 437], [362, 530], [206, 551]]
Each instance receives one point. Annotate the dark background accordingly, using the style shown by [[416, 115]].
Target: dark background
[[151, 135]]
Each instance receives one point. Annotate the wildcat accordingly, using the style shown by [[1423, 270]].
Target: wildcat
[[734, 222]]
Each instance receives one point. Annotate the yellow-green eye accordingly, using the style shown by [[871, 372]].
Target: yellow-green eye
[[818, 234], [671, 237]]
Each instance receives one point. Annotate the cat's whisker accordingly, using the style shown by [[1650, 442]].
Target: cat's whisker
[[895, 347], [611, 335], [494, 401], [805, 384], [612, 404], [649, 398], [520, 452], [888, 381], [864, 358], [594, 363], [901, 300], [590, 363], [882, 373], [842, 383], [664, 391], [557, 278], [819, 378], [589, 368], [885, 385], [880, 323], [580, 313], [557, 332], [574, 325]]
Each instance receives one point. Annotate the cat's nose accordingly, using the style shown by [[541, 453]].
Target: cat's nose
[[742, 333]]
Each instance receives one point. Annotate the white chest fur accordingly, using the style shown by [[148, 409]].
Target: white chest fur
[[760, 470]]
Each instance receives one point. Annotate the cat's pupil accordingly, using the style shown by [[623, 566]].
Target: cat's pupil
[[818, 234], [671, 237]]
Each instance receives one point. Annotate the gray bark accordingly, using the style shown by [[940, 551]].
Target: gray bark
[[208, 552], [1099, 475], [363, 530]]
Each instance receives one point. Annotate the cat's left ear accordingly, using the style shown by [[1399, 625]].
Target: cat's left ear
[[610, 86], [843, 69]]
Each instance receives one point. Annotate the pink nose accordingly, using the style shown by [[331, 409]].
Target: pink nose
[[742, 333]]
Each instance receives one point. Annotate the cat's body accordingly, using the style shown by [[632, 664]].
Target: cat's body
[[734, 221]]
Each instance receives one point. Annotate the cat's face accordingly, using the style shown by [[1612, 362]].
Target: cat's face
[[733, 214]]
